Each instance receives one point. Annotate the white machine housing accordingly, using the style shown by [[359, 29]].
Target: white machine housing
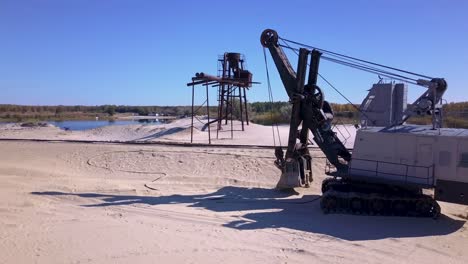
[[414, 155]]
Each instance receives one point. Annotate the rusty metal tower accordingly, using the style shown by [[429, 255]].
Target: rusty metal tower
[[232, 81], [231, 65]]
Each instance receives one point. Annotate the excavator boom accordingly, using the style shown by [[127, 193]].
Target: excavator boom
[[309, 109]]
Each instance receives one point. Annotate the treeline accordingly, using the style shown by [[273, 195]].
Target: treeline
[[456, 109], [109, 109], [19, 113], [262, 107], [10, 112], [266, 113], [455, 114], [257, 107], [269, 113]]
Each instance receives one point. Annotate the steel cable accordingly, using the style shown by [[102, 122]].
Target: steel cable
[[333, 87], [352, 58], [362, 67], [270, 95]]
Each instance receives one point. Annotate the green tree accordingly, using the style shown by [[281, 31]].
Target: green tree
[[59, 110], [110, 109]]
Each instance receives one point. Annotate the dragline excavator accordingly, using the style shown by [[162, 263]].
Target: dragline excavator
[[391, 162]]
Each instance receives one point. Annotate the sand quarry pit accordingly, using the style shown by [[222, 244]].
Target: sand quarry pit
[[111, 203]]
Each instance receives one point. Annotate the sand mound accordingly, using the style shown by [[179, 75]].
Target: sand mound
[[175, 131]]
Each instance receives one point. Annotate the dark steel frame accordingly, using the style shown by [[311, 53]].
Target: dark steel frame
[[231, 83]]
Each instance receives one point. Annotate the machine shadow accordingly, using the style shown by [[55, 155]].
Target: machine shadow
[[161, 133], [302, 214]]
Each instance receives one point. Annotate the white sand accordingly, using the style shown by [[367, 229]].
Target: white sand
[[110, 203], [176, 131]]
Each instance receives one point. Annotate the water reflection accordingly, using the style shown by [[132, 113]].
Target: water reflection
[[91, 124]]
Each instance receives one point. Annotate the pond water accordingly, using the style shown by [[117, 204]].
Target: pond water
[[90, 124]]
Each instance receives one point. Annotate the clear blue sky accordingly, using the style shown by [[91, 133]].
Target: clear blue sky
[[144, 52]]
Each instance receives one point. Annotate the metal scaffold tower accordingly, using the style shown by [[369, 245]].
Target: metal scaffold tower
[[232, 81]]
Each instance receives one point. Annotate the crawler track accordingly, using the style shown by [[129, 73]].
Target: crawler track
[[340, 196]]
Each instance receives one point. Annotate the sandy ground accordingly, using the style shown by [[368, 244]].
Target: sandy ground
[[111, 203], [176, 131]]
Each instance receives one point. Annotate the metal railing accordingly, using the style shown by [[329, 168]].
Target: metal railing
[[428, 179], [336, 128]]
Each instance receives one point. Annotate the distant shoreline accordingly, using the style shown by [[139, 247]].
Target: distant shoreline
[[145, 117], [79, 117]]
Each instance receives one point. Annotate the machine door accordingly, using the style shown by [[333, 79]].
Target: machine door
[[423, 170], [450, 186]]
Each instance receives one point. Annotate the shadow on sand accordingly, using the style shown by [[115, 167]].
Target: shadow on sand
[[162, 133], [302, 214]]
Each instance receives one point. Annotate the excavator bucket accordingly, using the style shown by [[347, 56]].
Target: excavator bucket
[[296, 173]]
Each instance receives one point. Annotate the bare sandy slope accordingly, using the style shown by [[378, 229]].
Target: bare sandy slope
[[175, 131], [94, 203]]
